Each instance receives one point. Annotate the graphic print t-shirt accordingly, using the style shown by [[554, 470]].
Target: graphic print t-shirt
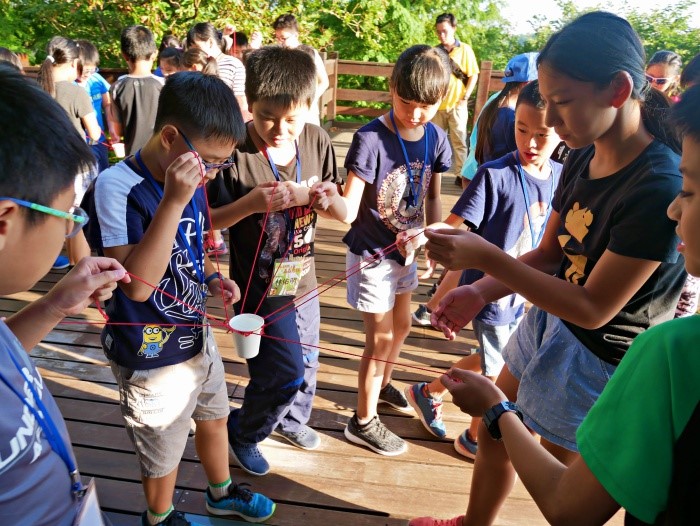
[[375, 156], [121, 206], [251, 169], [28, 465], [493, 206], [626, 214]]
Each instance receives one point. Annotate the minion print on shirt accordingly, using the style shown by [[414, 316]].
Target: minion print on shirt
[[154, 338]]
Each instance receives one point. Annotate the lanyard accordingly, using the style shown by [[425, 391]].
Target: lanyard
[[276, 173], [526, 195], [414, 193], [47, 425], [197, 262]]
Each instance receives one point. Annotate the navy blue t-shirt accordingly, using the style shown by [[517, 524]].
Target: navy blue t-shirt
[[121, 205], [375, 156], [494, 207]]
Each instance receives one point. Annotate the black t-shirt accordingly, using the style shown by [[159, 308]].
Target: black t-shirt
[[136, 100], [626, 214], [252, 168]]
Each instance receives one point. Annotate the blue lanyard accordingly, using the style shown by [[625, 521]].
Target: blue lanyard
[[196, 258], [276, 173], [415, 193], [526, 195], [47, 425]]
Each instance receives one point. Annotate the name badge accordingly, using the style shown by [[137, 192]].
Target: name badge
[[89, 512], [287, 275]]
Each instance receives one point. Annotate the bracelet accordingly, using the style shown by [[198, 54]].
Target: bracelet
[[212, 277]]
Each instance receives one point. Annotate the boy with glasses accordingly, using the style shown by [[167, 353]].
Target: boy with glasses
[[149, 212]]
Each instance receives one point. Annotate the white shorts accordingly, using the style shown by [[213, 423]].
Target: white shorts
[[372, 287]]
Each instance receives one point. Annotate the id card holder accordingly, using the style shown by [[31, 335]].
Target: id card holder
[[89, 512], [287, 275]]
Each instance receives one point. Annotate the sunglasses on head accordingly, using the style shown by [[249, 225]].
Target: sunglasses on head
[[661, 81]]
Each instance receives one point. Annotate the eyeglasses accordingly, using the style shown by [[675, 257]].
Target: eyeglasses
[[90, 71], [660, 81], [76, 215], [207, 165]]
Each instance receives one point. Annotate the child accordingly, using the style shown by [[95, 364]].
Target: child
[[98, 90], [664, 73], [57, 76], [508, 204], [194, 59], [381, 201], [275, 166], [170, 61], [638, 444], [691, 73], [148, 213], [168, 41], [40, 154], [608, 242], [135, 96]]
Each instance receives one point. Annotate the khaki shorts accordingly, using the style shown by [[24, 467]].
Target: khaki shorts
[[157, 405], [372, 287]]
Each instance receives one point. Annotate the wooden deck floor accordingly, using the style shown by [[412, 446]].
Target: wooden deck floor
[[339, 484]]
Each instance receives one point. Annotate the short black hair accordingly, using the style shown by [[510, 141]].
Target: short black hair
[[202, 106], [137, 43], [446, 17], [691, 72], [280, 75], [286, 21], [421, 74], [202, 32], [40, 151], [685, 114], [171, 54], [169, 41], [530, 95], [87, 52]]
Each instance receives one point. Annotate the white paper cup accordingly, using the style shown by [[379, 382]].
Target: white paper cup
[[247, 330], [119, 149]]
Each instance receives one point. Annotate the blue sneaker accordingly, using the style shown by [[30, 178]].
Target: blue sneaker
[[253, 507], [175, 518], [465, 446], [429, 409], [248, 456], [61, 263]]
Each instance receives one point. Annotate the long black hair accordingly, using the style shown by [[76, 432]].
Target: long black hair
[[484, 145], [611, 46]]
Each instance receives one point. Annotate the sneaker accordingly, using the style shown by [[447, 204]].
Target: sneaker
[[248, 456], [395, 398], [465, 446], [421, 316], [175, 518], [61, 263], [375, 436], [432, 290], [429, 408], [212, 249], [305, 438], [253, 507], [429, 521]]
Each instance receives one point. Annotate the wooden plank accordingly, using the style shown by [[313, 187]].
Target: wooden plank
[[368, 69], [360, 112], [364, 95]]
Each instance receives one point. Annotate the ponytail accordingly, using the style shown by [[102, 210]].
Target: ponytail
[[211, 67], [45, 77], [656, 109], [484, 147], [59, 51]]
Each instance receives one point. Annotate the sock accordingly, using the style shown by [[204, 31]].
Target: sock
[[219, 491], [363, 421], [157, 518], [425, 391]]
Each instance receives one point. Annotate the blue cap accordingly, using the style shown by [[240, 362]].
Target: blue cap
[[521, 68]]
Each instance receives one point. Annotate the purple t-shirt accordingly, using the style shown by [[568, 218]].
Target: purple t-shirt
[[375, 156], [494, 206]]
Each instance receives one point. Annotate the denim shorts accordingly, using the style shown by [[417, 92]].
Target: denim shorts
[[157, 405], [560, 378], [492, 340], [372, 287]]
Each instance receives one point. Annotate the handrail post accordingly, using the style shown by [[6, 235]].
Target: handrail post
[[482, 89]]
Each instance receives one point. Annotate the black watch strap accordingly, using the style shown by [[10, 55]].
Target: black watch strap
[[492, 415]]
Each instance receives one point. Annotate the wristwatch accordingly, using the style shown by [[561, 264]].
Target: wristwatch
[[492, 415]]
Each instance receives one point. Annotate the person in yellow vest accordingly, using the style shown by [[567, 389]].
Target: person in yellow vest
[[453, 114]]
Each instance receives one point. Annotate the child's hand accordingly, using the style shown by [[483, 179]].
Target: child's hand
[[231, 293], [272, 196], [471, 392], [299, 195], [256, 39], [410, 240], [322, 195], [92, 279], [182, 178], [456, 310], [229, 29], [456, 249]]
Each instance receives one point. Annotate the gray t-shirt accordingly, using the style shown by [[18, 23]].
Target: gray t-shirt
[[35, 486], [75, 101], [136, 102]]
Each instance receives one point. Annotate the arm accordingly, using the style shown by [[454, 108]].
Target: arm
[[91, 126], [565, 495], [322, 82], [92, 279], [342, 207], [150, 257], [270, 196], [611, 284], [107, 108], [470, 85], [117, 127]]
